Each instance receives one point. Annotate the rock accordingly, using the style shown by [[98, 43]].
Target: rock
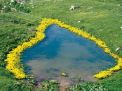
[[64, 74]]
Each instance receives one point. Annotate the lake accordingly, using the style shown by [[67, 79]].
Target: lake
[[63, 51]]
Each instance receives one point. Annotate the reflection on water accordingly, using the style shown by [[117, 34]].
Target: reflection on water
[[63, 51]]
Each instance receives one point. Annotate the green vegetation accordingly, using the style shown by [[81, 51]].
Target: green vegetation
[[49, 86], [87, 87], [102, 18], [113, 83], [13, 5]]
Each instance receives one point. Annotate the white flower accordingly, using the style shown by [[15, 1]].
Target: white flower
[[117, 49], [4, 7], [21, 3], [72, 7], [12, 1], [78, 21], [121, 27]]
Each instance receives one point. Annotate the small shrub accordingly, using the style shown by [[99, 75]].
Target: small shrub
[[49, 86], [13, 5]]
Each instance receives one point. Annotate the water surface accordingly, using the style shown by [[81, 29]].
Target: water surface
[[63, 51]]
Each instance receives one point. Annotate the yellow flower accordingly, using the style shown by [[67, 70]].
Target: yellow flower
[[103, 74], [13, 58]]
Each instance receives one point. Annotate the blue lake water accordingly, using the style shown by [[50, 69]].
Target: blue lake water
[[63, 51]]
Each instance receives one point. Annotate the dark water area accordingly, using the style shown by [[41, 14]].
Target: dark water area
[[63, 51]]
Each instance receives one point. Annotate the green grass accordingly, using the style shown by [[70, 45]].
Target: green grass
[[102, 18], [87, 86], [113, 83], [49, 86]]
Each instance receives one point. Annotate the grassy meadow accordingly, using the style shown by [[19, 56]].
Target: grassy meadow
[[102, 18]]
